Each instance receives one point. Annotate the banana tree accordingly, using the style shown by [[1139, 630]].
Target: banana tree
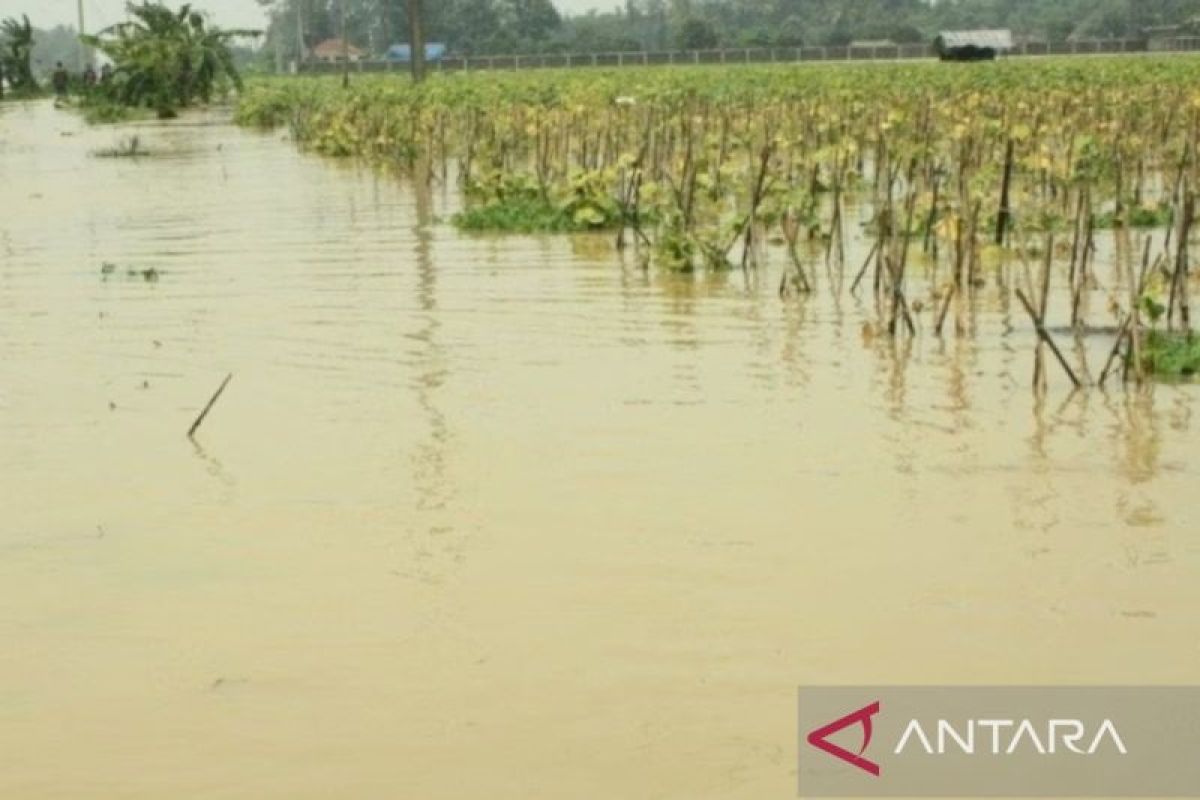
[[16, 54], [167, 59]]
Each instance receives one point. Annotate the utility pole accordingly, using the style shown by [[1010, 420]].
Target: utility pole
[[85, 56], [277, 30], [386, 25], [299, 33], [345, 48], [416, 39]]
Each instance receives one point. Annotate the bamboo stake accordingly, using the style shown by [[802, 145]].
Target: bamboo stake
[[1122, 334], [1044, 336], [1002, 219], [866, 264], [200, 419]]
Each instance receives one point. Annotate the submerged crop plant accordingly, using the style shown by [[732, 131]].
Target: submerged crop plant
[[1013, 175]]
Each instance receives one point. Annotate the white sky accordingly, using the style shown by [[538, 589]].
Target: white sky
[[226, 13]]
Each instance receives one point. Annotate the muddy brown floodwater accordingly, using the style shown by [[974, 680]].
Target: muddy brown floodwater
[[505, 517]]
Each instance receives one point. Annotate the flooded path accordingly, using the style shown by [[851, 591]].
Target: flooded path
[[504, 517]]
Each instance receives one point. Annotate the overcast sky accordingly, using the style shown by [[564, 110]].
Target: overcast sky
[[227, 13]]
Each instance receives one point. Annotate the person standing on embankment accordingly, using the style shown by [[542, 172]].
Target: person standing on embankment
[[60, 80]]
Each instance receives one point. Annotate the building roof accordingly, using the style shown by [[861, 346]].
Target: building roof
[[1000, 39], [403, 52], [334, 48]]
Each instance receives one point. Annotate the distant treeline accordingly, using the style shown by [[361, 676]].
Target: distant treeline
[[482, 27], [54, 45], [61, 44]]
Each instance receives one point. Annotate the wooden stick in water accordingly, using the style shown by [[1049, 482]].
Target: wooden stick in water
[[1122, 334], [1045, 337], [950, 292], [1002, 218], [200, 419], [863, 271]]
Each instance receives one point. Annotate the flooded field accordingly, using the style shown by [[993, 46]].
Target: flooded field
[[508, 516]]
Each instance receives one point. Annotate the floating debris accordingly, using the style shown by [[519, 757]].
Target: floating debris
[[149, 274], [126, 148]]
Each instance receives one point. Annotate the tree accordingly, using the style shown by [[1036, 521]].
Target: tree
[[60, 43], [416, 38], [166, 59], [16, 54], [470, 26], [483, 27], [530, 20], [696, 34]]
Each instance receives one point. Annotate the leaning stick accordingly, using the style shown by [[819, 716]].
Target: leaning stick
[[863, 271], [200, 419], [1122, 334], [1045, 337], [899, 304], [950, 292]]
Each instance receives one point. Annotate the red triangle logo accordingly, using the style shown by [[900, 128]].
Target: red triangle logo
[[820, 738]]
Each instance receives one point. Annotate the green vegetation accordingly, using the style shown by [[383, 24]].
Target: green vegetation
[[16, 57], [481, 27], [1171, 354], [977, 175], [516, 204], [1136, 216], [515, 216], [702, 166], [165, 59]]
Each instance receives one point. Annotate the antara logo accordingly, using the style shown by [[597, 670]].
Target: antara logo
[[820, 738], [1008, 736], [1000, 737], [997, 741]]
